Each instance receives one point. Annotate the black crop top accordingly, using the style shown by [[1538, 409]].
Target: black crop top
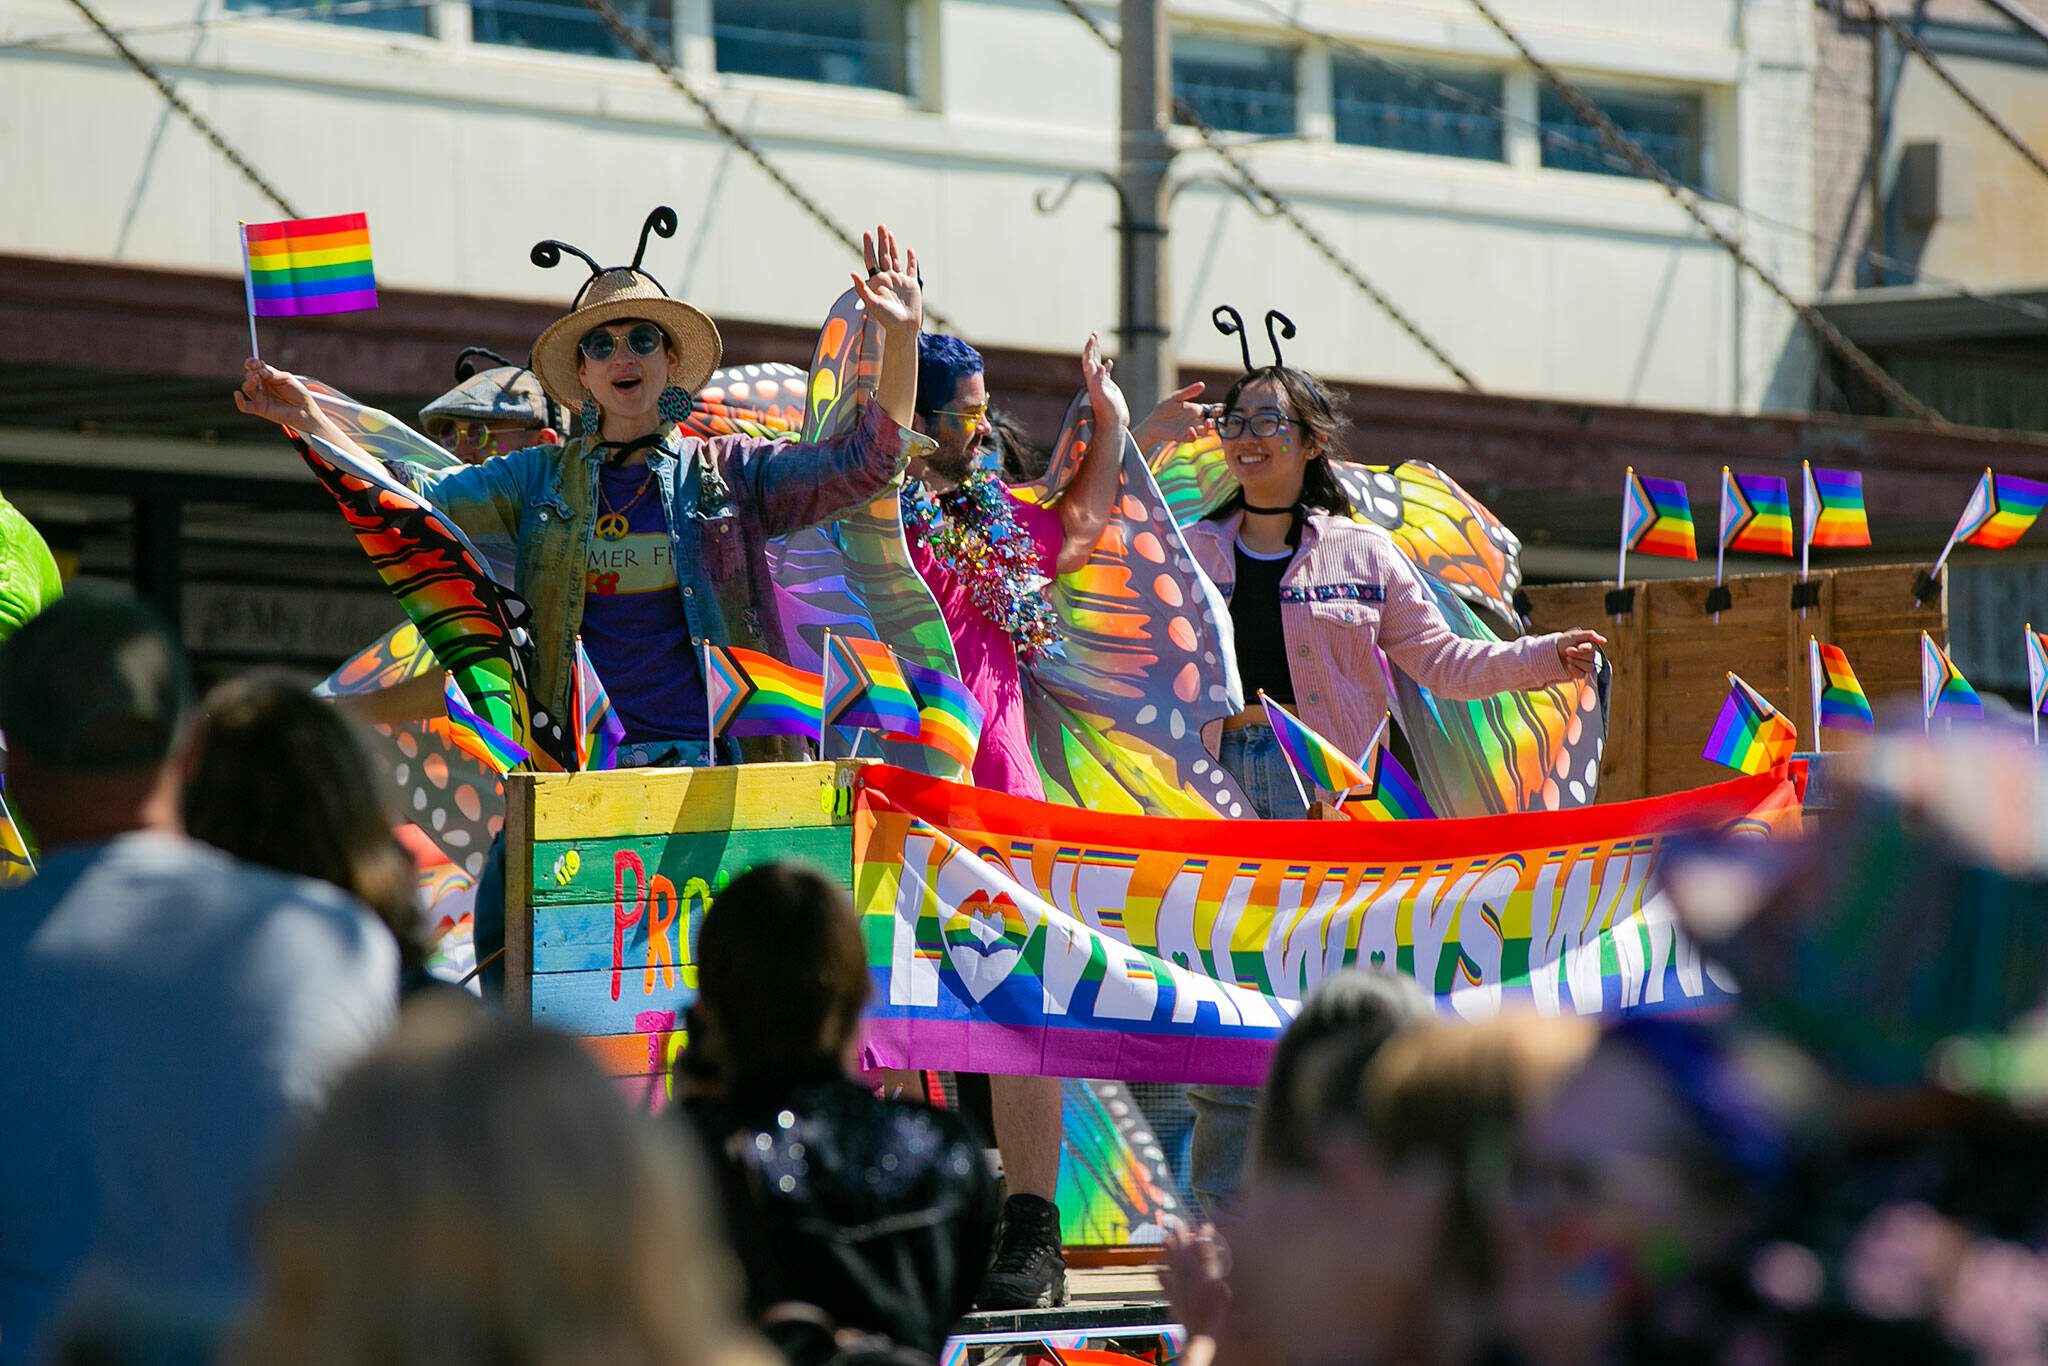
[[1255, 615]]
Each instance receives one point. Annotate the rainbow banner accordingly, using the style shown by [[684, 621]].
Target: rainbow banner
[[1750, 735], [1833, 514], [1838, 700], [1943, 689], [1656, 518], [949, 719], [1315, 760], [750, 693], [305, 266], [1756, 514], [1396, 796], [1014, 936], [478, 738], [864, 687]]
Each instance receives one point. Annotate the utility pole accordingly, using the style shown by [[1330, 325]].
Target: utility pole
[[1145, 368]]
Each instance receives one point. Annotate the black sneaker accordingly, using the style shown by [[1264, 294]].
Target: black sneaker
[[1030, 1268]]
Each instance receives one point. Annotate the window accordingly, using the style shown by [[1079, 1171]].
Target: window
[[1667, 127], [567, 25], [1244, 87], [396, 16], [1379, 106], [833, 42]]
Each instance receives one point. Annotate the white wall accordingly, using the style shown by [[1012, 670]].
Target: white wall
[[464, 153]]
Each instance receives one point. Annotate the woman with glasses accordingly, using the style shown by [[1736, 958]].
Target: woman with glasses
[[1315, 597]]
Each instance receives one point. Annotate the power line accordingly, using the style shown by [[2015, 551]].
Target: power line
[[191, 115], [1186, 113], [1593, 148], [1590, 113], [636, 40]]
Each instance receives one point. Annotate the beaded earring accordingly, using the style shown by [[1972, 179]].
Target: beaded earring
[[589, 416], [675, 404]]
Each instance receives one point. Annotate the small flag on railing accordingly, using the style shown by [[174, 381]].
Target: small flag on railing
[[1943, 689], [2037, 676], [1396, 796], [752, 694], [1656, 518], [2000, 510], [1756, 514], [478, 738], [865, 689], [1750, 735], [1322, 764], [949, 719], [1838, 700], [598, 728]]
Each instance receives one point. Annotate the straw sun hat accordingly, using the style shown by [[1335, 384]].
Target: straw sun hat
[[613, 295]]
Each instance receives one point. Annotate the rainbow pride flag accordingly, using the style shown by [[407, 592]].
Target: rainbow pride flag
[[2037, 670], [305, 266], [478, 738], [1756, 514], [1943, 689], [1834, 512], [2000, 510], [864, 687], [949, 719], [598, 728], [1321, 764], [750, 693], [1396, 796], [1750, 735], [1656, 518], [1838, 700]]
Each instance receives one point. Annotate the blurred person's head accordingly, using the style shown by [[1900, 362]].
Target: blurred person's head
[[93, 699], [1341, 1026], [782, 977], [1654, 1159], [477, 1192], [279, 778], [952, 406], [1024, 460]]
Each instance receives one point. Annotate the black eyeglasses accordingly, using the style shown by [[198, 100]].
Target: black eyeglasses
[[644, 340], [1230, 426]]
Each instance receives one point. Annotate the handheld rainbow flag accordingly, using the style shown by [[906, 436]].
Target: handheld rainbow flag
[[1756, 515], [1750, 735], [864, 688], [2037, 676], [1832, 511], [306, 266], [750, 693], [1312, 757], [949, 719], [2000, 510], [1838, 700], [1656, 519], [1943, 689], [478, 738], [1396, 796]]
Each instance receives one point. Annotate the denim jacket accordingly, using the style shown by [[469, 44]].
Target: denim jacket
[[723, 499]]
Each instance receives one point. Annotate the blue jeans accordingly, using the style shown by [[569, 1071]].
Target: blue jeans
[[1224, 1114], [488, 927]]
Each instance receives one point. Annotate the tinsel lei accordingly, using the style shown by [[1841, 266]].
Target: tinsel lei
[[972, 530]]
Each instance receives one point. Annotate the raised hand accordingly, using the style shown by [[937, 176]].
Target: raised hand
[[1103, 394], [1577, 650], [891, 290], [277, 396], [1176, 419]]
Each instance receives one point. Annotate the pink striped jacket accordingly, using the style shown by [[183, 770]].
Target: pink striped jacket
[[1350, 593]]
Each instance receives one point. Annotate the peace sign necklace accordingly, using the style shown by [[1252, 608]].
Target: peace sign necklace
[[613, 526]]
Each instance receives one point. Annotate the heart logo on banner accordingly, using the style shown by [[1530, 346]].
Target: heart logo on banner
[[980, 942]]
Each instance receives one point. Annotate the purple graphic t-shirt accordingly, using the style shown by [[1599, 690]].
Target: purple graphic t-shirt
[[633, 623]]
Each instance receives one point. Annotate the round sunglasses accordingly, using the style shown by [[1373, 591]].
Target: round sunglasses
[[600, 343]]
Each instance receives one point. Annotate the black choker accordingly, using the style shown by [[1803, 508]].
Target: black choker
[[615, 452], [1287, 511]]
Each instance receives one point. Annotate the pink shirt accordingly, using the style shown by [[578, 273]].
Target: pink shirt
[[988, 657], [1350, 593]]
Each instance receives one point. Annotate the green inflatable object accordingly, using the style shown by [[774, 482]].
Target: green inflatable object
[[28, 575]]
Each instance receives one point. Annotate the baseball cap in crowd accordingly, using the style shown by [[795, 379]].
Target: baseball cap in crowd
[[95, 683]]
